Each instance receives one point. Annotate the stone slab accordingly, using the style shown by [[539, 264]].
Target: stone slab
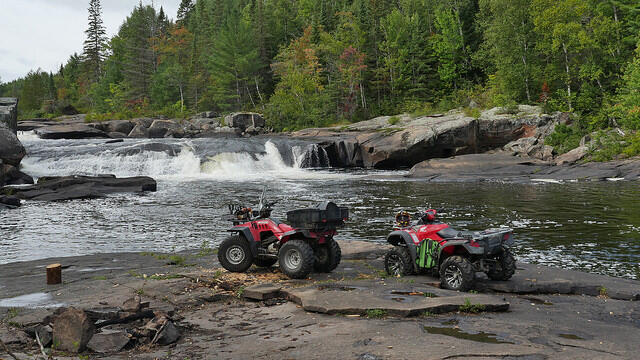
[[398, 300], [262, 291]]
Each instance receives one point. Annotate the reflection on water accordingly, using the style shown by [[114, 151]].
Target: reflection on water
[[589, 226]]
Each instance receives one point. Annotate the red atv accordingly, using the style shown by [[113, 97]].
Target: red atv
[[306, 245], [455, 255]]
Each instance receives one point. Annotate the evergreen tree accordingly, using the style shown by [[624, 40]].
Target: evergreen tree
[[94, 45], [184, 11]]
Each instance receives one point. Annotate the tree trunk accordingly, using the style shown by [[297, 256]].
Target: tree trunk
[[54, 274], [566, 65]]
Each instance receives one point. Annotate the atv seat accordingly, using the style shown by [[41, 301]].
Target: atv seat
[[450, 233]]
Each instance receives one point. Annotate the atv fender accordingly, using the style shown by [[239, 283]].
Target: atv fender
[[402, 238], [472, 250], [249, 237]]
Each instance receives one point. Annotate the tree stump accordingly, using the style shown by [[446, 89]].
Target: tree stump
[[54, 274]]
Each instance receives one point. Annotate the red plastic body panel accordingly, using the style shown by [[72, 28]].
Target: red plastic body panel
[[430, 231], [281, 231]]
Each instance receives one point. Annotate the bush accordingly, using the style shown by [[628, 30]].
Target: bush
[[564, 138], [394, 120]]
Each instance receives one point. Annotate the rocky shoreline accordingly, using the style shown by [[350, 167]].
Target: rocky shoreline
[[353, 313]]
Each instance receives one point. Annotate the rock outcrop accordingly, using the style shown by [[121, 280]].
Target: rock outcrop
[[72, 131], [402, 141], [9, 113], [79, 187], [504, 167], [11, 153]]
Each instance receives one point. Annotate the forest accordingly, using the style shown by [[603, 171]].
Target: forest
[[309, 63]]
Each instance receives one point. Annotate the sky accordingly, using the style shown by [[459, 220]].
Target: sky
[[44, 33]]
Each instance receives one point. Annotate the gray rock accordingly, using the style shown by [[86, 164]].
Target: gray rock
[[10, 202], [11, 150], [72, 330], [32, 124], [80, 187], [121, 126], [160, 128], [13, 176], [144, 122], [45, 334], [73, 131], [108, 342], [521, 146], [243, 120], [9, 113], [132, 305], [541, 152], [168, 334], [572, 156], [13, 336], [262, 291], [139, 131], [117, 135]]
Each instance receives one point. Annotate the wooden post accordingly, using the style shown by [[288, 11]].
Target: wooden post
[[54, 274]]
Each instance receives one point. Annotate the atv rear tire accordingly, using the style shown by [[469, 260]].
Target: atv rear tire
[[505, 267], [456, 273], [264, 262], [234, 254], [397, 262], [327, 256], [296, 259]]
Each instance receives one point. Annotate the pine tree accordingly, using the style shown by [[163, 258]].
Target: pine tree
[[95, 44], [184, 11]]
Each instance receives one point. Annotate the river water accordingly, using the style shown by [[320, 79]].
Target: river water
[[593, 227]]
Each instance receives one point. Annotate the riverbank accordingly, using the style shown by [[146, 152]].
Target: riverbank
[[353, 313]]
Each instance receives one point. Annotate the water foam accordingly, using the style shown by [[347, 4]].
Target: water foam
[[227, 166]]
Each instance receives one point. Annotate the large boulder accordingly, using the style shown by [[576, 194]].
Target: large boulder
[[243, 120], [11, 149], [139, 131], [57, 188], [72, 330], [72, 131], [9, 112], [572, 156], [163, 128]]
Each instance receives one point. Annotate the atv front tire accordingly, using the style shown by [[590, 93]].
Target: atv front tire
[[505, 267], [327, 256], [456, 273], [397, 262], [264, 262], [296, 259], [234, 254]]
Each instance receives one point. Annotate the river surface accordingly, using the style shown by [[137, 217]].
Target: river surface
[[593, 227]]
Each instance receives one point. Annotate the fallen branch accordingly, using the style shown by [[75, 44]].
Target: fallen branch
[[7, 350], [41, 347], [126, 319]]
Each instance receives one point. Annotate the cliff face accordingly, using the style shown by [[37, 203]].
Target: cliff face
[[9, 113]]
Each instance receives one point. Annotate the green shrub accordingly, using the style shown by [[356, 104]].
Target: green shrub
[[472, 112], [394, 120], [564, 138], [376, 313]]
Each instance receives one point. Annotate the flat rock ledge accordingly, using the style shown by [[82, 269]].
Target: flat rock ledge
[[360, 298], [79, 187]]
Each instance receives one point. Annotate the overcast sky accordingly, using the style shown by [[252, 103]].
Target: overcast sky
[[44, 33]]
